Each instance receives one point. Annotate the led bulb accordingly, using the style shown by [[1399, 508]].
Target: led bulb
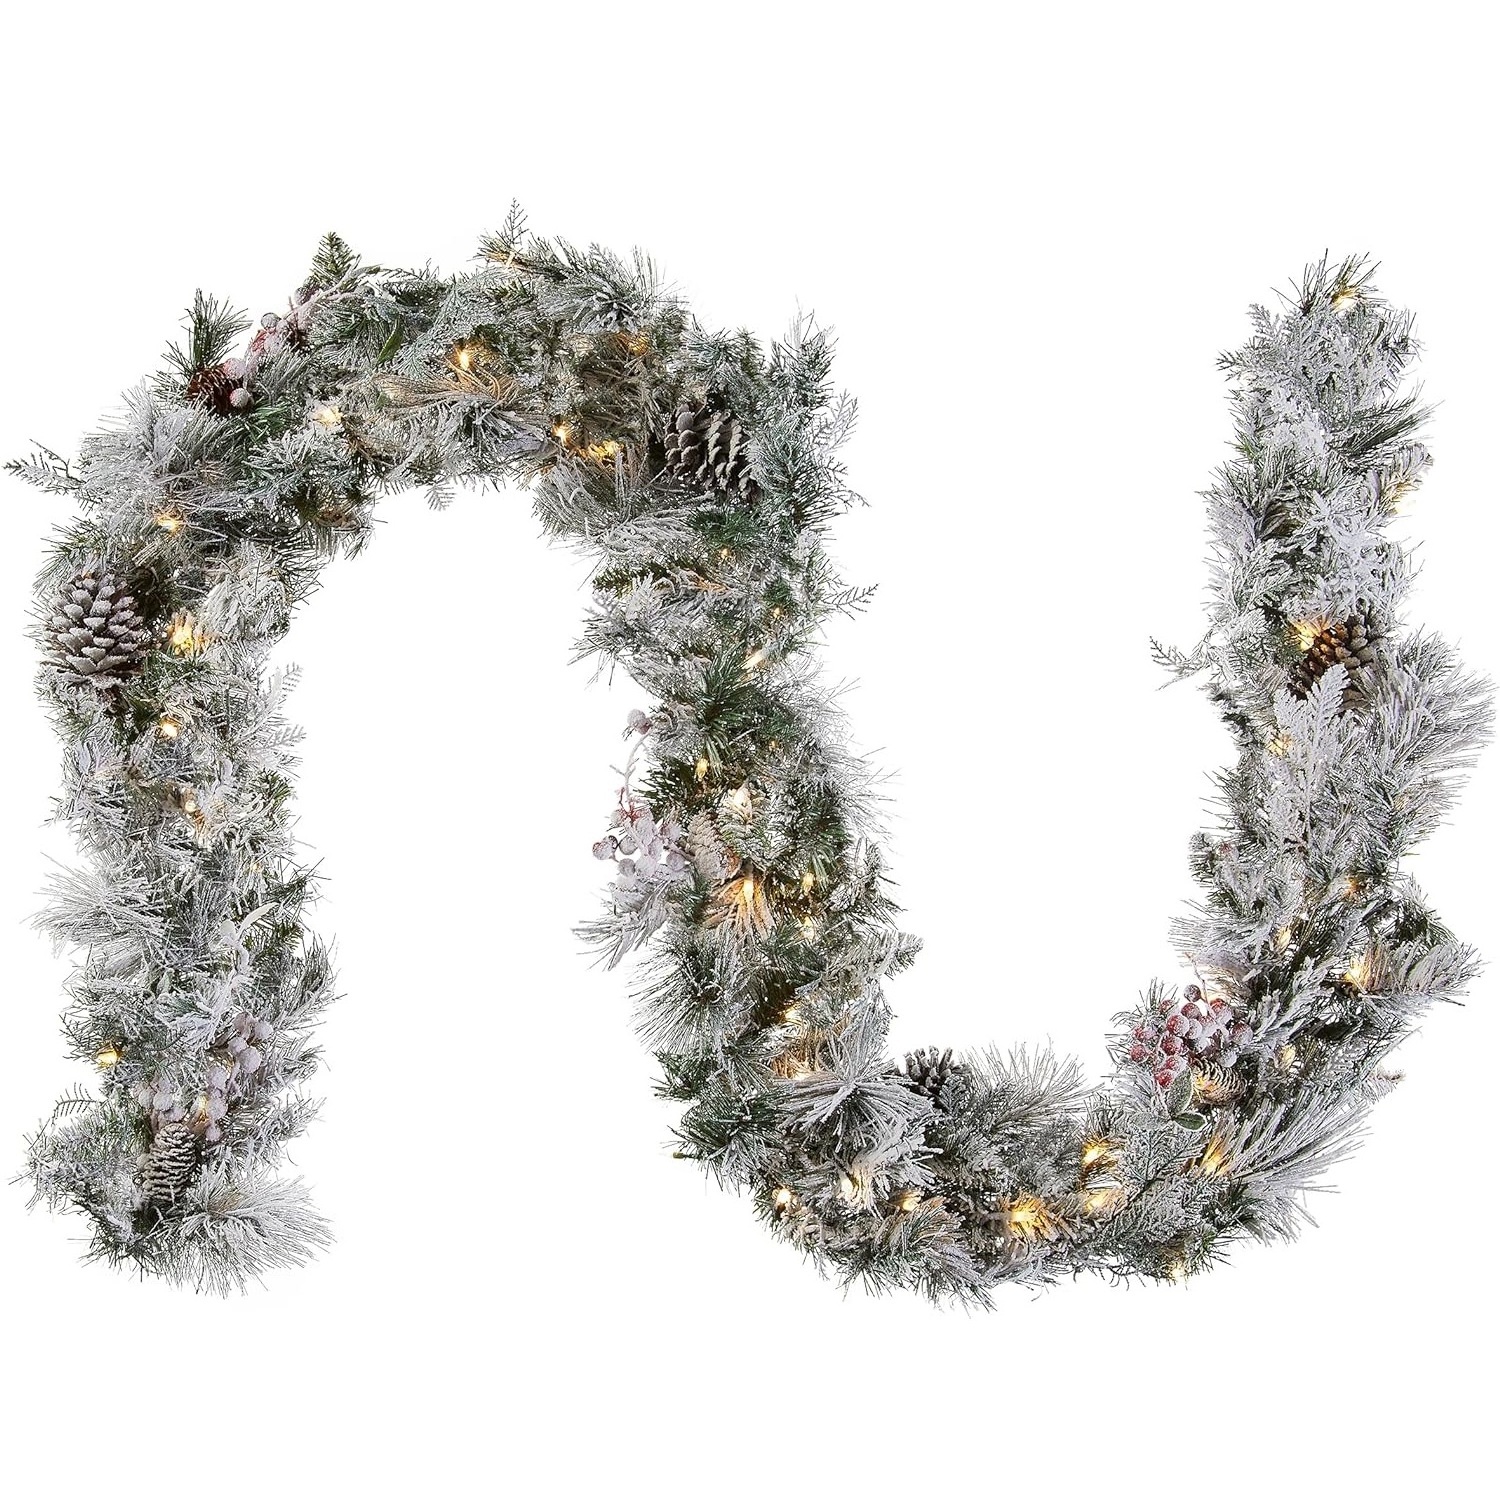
[[1097, 1153], [1215, 1159], [740, 801]]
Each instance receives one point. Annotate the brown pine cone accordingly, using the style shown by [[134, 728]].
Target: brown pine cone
[[221, 389], [1353, 643]]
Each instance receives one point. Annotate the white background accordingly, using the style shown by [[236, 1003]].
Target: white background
[[1032, 236]]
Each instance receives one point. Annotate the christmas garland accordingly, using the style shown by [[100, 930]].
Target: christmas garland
[[698, 472]]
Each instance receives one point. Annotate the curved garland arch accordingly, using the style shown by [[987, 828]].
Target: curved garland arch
[[698, 471]]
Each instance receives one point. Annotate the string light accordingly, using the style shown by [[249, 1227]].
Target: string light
[[466, 355], [562, 432], [1177, 1271], [190, 804], [331, 416], [1400, 497], [792, 1014], [809, 928], [739, 801], [1344, 298], [1358, 972], [911, 1200], [725, 554], [604, 450], [1103, 1200], [1306, 632], [851, 1186], [701, 769], [742, 903], [1280, 745], [808, 881], [1286, 1057], [1097, 1152], [782, 1198], [755, 658], [1283, 938], [169, 521], [108, 1055], [167, 728], [1027, 1218], [1215, 1159], [182, 635]]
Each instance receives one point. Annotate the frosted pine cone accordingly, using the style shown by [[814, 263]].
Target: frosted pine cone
[[714, 860], [1352, 643], [169, 1164], [1216, 1085], [927, 1070], [98, 637], [706, 449]]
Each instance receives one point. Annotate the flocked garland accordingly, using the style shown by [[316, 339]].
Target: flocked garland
[[698, 473]]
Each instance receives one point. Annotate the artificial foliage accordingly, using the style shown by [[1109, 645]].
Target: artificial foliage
[[699, 472]]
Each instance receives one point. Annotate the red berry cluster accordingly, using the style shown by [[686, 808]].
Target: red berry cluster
[[1184, 1031]]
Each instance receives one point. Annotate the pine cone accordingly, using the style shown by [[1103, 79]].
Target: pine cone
[[170, 1163], [211, 388], [1354, 643], [98, 637], [705, 449], [927, 1070], [221, 388], [710, 855], [1215, 1085]]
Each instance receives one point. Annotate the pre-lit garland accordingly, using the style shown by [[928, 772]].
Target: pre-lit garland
[[697, 470]]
